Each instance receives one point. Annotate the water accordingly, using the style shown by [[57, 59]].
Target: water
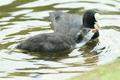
[[22, 19]]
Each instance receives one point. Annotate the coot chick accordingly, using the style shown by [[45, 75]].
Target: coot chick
[[58, 41], [47, 43]]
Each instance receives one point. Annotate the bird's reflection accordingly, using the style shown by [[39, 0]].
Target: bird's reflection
[[90, 55]]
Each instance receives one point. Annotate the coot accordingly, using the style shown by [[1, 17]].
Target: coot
[[69, 29]]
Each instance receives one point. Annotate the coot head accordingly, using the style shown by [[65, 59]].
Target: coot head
[[89, 19]]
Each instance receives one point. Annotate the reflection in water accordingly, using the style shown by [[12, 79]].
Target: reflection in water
[[20, 12], [21, 19], [5, 2], [91, 56], [44, 3], [86, 6], [38, 15], [110, 40]]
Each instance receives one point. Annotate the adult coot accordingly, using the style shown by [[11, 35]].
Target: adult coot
[[69, 29]]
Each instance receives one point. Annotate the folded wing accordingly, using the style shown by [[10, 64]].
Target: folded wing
[[65, 23]]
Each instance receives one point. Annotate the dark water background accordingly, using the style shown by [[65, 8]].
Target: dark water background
[[20, 19]]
